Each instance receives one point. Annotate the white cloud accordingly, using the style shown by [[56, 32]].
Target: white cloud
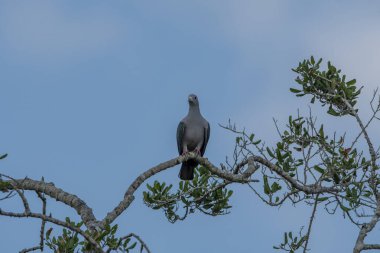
[[47, 31]]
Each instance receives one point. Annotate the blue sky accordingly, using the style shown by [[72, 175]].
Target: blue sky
[[91, 93]]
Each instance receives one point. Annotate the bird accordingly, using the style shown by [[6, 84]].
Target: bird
[[193, 133]]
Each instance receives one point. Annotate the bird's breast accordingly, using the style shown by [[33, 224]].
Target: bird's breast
[[194, 137]]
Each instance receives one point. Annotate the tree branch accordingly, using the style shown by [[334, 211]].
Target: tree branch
[[42, 229], [311, 223], [54, 221], [308, 189], [58, 194], [366, 228]]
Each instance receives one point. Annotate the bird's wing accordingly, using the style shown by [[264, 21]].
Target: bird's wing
[[206, 136], [180, 134]]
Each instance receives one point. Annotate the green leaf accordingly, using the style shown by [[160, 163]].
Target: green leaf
[[332, 112], [336, 178], [151, 188], [319, 169], [322, 199], [266, 185], [275, 187], [256, 142], [4, 186], [352, 82], [321, 132], [312, 60], [132, 246], [48, 232], [270, 152], [295, 90]]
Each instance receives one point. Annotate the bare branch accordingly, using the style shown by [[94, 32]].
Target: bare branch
[[138, 238], [43, 223], [42, 230], [371, 246], [58, 194], [30, 249], [311, 223], [372, 151], [308, 189], [366, 228], [128, 196]]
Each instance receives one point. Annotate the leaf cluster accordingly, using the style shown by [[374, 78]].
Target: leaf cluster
[[328, 86], [203, 193], [71, 242], [291, 244]]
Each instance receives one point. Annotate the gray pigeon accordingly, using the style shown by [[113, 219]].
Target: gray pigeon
[[193, 133]]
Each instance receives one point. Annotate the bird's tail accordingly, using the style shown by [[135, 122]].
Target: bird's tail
[[187, 170]]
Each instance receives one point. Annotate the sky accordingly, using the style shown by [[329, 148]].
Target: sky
[[91, 93]]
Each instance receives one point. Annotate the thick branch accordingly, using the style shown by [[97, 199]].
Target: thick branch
[[50, 190], [89, 219], [128, 196], [231, 177], [366, 228]]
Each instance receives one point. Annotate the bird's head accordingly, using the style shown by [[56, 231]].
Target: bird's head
[[193, 100]]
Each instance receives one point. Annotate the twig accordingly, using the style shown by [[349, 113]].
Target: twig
[[311, 223], [54, 221]]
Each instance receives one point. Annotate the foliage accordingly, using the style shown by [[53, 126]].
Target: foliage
[[311, 166], [203, 193], [328, 86], [71, 242], [291, 244]]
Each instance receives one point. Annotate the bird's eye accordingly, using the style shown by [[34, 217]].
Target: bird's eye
[[195, 97]]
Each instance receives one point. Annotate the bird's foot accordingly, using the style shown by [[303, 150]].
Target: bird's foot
[[197, 151]]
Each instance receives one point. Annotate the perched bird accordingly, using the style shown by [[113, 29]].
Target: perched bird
[[193, 133]]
